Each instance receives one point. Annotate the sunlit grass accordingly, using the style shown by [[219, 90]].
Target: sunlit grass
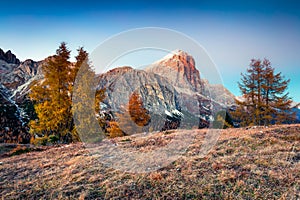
[[245, 164]]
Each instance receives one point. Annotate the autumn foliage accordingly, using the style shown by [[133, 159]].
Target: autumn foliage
[[133, 118], [138, 113], [53, 97], [265, 100]]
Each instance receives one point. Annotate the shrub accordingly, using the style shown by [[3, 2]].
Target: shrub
[[53, 139], [40, 141]]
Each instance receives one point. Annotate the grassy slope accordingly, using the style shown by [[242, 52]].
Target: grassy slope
[[258, 163]]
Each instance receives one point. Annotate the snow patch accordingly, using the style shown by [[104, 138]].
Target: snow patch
[[177, 112], [21, 88], [168, 113], [169, 56], [103, 106], [173, 112]]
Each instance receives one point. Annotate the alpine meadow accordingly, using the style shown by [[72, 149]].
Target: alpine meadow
[[150, 99]]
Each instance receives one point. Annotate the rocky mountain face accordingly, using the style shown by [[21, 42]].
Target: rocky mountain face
[[170, 88], [17, 77], [15, 80], [12, 127], [157, 93], [296, 109], [179, 69], [218, 92], [9, 57]]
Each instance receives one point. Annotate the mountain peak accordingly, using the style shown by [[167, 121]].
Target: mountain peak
[[177, 55], [9, 57], [179, 68], [180, 52]]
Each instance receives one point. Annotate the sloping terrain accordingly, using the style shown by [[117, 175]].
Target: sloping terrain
[[246, 163]]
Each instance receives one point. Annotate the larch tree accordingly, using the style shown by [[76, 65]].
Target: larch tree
[[132, 119], [86, 101], [138, 113], [265, 100], [52, 96], [54, 101]]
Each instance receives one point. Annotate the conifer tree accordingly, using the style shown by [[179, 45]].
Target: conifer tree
[[265, 99], [138, 113], [86, 102], [51, 96], [132, 119], [54, 102]]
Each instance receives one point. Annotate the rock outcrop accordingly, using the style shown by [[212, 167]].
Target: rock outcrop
[[9, 57], [18, 77], [15, 80], [218, 93], [157, 93], [11, 123]]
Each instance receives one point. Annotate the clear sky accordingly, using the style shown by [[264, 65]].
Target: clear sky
[[232, 32]]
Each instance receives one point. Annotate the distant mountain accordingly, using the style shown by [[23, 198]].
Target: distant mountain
[[296, 109], [295, 105], [169, 88], [17, 77], [158, 94], [180, 69]]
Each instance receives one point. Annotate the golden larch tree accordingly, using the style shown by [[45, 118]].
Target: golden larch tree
[[51, 96], [265, 99]]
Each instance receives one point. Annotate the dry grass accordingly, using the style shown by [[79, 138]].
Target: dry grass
[[258, 163]]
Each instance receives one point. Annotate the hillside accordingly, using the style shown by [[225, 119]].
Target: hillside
[[255, 163]]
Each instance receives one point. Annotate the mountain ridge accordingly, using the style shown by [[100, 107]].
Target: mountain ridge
[[163, 93], [9, 57]]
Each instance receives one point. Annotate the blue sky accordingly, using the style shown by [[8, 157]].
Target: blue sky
[[232, 32]]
